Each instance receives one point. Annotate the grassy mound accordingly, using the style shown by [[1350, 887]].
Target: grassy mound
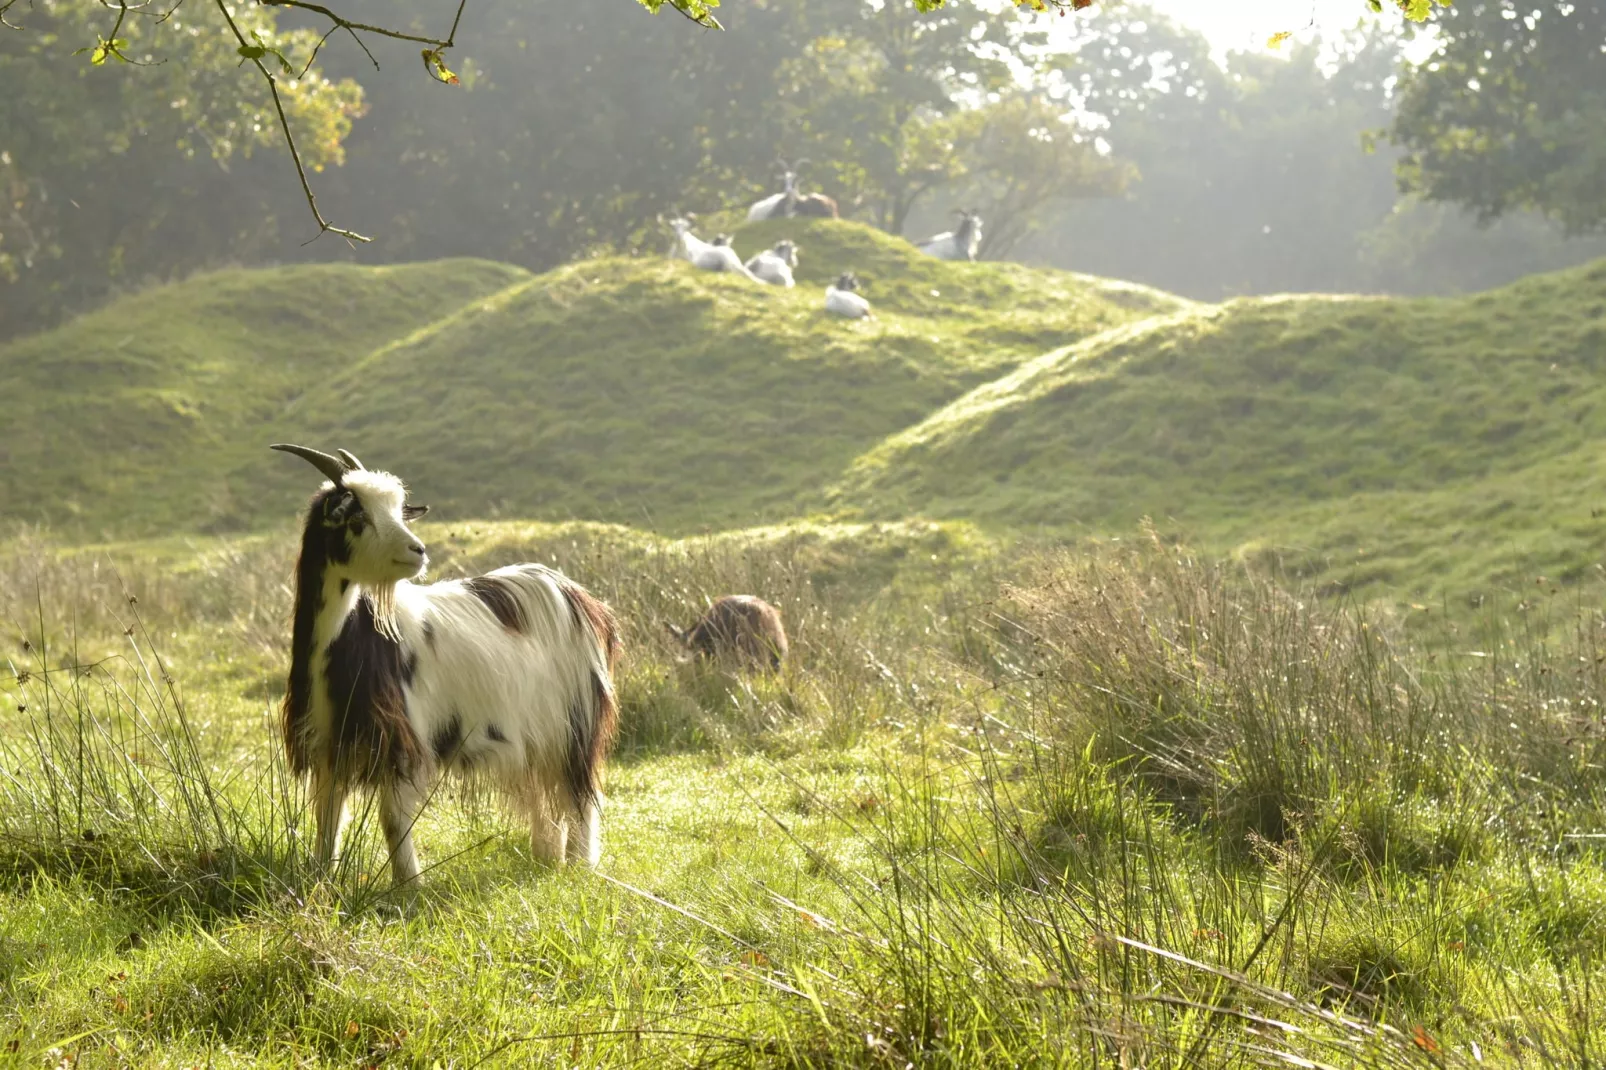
[[628, 390], [1416, 442], [130, 418]]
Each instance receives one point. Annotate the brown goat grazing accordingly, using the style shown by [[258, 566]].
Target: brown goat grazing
[[738, 627]]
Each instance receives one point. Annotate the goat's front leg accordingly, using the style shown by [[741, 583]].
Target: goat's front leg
[[329, 811], [399, 804]]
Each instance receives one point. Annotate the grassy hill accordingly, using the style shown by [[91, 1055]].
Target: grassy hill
[[1428, 445], [634, 390], [1432, 444]]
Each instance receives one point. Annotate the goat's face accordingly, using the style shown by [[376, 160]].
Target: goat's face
[[365, 520], [786, 251]]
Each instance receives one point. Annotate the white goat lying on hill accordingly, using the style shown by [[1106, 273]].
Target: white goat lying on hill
[[710, 256], [775, 265], [840, 299], [508, 675], [959, 244]]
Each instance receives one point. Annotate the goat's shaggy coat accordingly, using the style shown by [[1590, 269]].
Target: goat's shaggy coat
[[774, 266], [815, 206], [508, 675], [716, 255], [738, 627], [841, 298], [961, 243]]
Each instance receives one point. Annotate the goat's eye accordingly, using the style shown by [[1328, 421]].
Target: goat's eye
[[357, 524]]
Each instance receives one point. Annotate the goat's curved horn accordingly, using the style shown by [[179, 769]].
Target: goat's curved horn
[[351, 460], [333, 467], [797, 165]]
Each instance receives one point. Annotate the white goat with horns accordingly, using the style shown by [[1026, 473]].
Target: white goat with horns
[[960, 243], [716, 255], [509, 675], [789, 202], [775, 265]]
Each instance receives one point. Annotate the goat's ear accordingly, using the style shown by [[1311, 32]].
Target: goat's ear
[[413, 512], [678, 633]]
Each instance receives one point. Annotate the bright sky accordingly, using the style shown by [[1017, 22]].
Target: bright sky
[[1247, 24]]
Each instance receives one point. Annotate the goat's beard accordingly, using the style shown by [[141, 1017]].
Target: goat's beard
[[382, 600]]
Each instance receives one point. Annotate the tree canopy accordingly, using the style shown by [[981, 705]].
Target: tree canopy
[[1509, 112], [158, 32], [1252, 175]]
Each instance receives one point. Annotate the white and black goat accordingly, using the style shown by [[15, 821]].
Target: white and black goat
[[775, 265], [716, 255], [508, 675], [960, 243], [789, 202], [842, 300]]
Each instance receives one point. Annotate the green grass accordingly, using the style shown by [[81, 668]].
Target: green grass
[[1005, 807], [1428, 447], [626, 390]]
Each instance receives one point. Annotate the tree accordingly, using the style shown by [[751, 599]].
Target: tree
[[1251, 176], [1509, 112], [101, 168], [871, 93], [1017, 158]]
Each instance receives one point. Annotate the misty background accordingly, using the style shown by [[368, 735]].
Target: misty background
[[1126, 144]]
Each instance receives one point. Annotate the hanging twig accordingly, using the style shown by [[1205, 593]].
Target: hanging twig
[[341, 22], [254, 55]]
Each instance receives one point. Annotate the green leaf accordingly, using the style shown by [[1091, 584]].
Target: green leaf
[[99, 53], [436, 66], [252, 51]]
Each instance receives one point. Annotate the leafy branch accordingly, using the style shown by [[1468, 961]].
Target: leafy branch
[[110, 46], [699, 11], [254, 54], [434, 63]]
